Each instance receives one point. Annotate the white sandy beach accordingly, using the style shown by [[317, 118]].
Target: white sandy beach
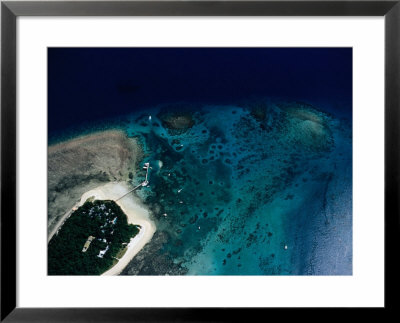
[[136, 215]]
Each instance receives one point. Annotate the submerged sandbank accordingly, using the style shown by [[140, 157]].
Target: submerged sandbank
[[81, 164]]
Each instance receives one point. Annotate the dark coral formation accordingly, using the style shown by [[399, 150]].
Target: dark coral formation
[[308, 127], [177, 118], [259, 111], [151, 262]]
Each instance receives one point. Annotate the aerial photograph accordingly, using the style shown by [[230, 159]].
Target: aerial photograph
[[200, 161]]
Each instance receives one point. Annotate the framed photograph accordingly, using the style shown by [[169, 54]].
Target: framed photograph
[[182, 160]]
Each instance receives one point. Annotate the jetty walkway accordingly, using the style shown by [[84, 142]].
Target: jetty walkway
[[69, 213], [144, 183]]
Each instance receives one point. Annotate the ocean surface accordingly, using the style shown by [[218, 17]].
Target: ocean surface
[[259, 183]]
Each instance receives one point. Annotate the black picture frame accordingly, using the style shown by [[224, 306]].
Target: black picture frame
[[10, 10]]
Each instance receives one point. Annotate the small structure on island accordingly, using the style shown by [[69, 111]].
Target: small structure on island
[[143, 184], [102, 252], [87, 243]]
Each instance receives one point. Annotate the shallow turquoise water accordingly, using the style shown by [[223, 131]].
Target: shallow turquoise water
[[246, 194]]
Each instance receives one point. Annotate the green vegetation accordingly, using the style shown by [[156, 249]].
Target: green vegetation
[[105, 221], [121, 253]]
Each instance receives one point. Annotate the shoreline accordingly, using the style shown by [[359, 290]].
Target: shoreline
[[136, 214]]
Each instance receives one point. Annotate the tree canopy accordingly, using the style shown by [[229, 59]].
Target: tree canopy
[[106, 222]]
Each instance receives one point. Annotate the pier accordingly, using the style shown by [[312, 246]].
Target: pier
[[144, 183]]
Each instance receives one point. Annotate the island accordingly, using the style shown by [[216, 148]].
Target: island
[[92, 240], [101, 234]]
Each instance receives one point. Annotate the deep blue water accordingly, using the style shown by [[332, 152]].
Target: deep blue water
[[244, 194], [87, 84]]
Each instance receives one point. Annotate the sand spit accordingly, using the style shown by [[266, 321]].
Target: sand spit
[[84, 163]]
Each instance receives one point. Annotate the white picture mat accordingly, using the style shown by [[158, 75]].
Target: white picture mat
[[364, 288]]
